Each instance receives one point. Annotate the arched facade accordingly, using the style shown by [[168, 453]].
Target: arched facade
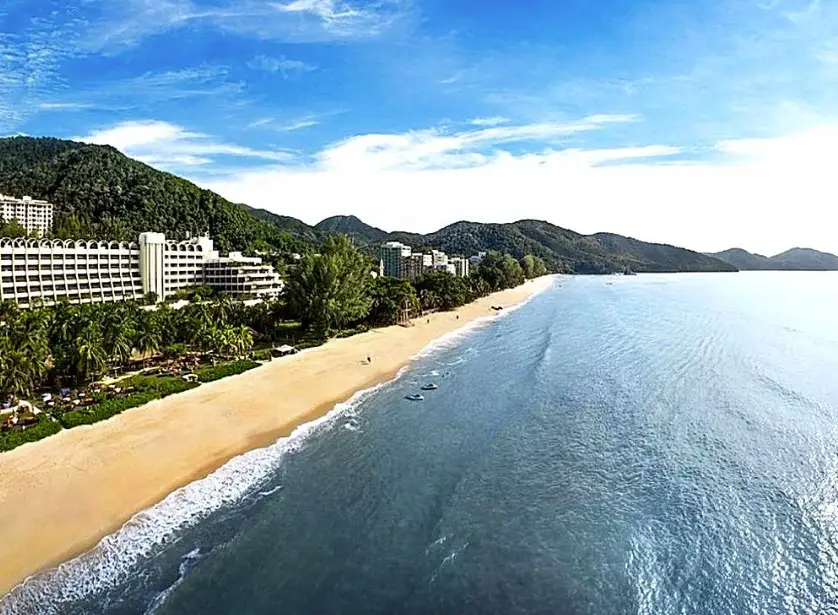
[[79, 271], [45, 271]]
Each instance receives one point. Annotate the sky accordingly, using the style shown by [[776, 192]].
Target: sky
[[702, 124]]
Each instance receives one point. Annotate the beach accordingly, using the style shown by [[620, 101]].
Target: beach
[[61, 495]]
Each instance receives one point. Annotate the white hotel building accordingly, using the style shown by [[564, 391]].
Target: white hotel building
[[33, 215], [80, 271]]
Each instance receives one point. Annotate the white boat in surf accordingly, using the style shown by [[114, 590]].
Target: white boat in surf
[[429, 387], [416, 397]]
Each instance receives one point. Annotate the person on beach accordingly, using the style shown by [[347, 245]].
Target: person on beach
[[369, 359]]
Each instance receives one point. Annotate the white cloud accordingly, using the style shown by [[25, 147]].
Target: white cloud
[[169, 145], [488, 121], [127, 22], [327, 10], [762, 195], [273, 124], [63, 106], [435, 149], [285, 66]]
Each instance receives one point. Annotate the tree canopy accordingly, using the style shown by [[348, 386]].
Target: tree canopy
[[327, 290]]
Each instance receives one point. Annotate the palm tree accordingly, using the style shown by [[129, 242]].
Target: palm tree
[[148, 338], [244, 339], [118, 326], [91, 359], [225, 308], [17, 375]]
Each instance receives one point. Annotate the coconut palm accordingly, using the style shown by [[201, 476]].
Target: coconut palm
[[91, 358], [17, 373], [147, 338]]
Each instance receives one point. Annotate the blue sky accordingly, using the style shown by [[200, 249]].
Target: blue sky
[[704, 124]]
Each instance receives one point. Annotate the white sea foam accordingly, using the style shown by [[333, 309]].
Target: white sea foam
[[186, 563], [270, 491], [116, 555], [113, 559]]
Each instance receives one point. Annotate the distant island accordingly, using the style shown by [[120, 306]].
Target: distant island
[[99, 193], [796, 259]]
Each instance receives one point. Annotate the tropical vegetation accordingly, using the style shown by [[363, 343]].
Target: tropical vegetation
[[329, 293]]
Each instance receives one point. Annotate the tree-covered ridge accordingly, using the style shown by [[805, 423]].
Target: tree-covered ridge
[[352, 226], [99, 192], [564, 250], [796, 259]]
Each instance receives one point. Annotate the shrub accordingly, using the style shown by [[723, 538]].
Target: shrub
[[261, 355], [209, 373], [43, 428], [174, 351], [310, 344], [112, 407], [164, 385]]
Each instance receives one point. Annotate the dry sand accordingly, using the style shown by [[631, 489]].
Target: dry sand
[[60, 496]]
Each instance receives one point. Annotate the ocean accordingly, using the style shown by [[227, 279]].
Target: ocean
[[652, 444]]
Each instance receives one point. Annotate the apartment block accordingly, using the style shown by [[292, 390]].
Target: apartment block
[[393, 256], [398, 260], [461, 266], [414, 266], [33, 215]]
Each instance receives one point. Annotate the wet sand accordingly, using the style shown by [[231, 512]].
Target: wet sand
[[60, 496]]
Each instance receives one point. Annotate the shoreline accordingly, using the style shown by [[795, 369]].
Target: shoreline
[[60, 496]]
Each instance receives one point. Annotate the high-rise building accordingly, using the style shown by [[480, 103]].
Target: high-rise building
[[438, 259], [398, 260], [414, 265], [393, 256], [461, 266], [33, 215], [47, 271]]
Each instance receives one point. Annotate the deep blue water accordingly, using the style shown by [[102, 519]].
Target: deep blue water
[[621, 445]]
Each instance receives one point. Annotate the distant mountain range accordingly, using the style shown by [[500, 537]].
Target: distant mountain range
[[100, 192], [796, 259], [563, 250]]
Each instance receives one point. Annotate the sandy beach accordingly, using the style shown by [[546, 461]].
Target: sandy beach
[[60, 496]]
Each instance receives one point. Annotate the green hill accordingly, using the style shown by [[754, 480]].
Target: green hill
[[352, 226], [796, 259], [565, 250], [99, 192]]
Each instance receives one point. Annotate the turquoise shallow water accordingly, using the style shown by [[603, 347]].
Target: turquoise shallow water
[[650, 444]]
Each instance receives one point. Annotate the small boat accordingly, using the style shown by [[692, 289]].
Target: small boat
[[429, 387], [416, 397]]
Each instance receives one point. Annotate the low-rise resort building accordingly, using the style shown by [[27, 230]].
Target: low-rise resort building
[[45, 271]]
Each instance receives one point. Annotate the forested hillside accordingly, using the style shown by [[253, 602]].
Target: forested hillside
[[796, 259], [99, 192], [564, 250]]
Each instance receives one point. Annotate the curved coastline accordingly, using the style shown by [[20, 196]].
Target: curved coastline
[[60, 496]]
